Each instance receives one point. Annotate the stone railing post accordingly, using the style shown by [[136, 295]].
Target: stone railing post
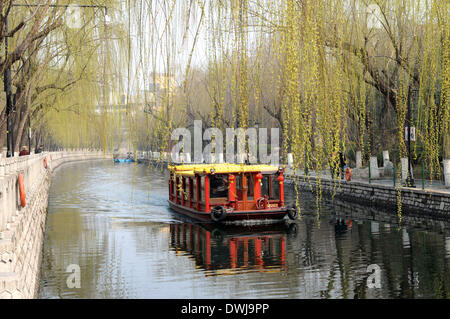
[[385, 158], [2, 167], [290, 160], [446, 163], [405, 169], [374, 172], [358, 159]]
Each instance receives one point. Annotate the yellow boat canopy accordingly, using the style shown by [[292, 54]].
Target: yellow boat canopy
[[192, 170]]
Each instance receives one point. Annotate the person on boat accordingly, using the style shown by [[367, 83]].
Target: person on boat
[[40, 149], [337, 165], [24, 151]]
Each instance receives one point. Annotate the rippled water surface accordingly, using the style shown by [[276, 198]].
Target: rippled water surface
[[113, 221]]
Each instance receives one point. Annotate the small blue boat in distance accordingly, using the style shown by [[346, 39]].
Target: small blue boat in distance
[[123, 160], [128, 158]]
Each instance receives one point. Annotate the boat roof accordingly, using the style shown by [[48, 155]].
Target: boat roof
[[193, 169]]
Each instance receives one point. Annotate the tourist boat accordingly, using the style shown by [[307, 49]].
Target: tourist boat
[[228, 192]]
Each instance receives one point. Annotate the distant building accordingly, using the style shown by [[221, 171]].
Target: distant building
[[161, 87]]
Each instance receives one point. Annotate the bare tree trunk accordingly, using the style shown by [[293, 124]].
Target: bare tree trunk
[[21, 127]]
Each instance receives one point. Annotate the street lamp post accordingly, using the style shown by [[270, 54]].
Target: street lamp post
[[10, 105], [409, 179]]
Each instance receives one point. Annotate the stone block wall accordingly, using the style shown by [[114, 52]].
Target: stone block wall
[[22, 229], [433, 204]]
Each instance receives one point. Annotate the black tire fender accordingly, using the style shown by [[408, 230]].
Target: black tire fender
[[292, 213], [218, 213]]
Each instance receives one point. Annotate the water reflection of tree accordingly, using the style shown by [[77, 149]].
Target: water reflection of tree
[[74, 237]]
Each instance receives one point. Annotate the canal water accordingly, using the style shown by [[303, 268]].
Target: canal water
[[113, 222]]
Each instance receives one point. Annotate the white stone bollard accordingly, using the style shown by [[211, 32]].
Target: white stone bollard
[[385, 158], [374, 172], [187, 157], [241, 158], [358, 159], [221, 158], [405, 169], [447, 172], [290, 159]]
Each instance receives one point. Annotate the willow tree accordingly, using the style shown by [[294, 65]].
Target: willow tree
[[63, 70], [81, 106], [335, 75], [22, 28]]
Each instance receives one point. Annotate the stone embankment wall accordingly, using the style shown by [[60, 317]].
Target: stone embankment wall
[[22, 228], [433, 204]]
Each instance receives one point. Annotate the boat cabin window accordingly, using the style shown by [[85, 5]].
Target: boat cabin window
[[181, 187], [270, 187], [240, 186], [202, 188], [250, 186], [194, 189], [275, 188], [239, 195], [219, 186]]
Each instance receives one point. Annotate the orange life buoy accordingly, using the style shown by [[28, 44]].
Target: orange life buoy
[[348, 174], [45, 163], [23, 201]]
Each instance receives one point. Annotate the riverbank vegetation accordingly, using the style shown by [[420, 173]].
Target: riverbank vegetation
[[332, 75]]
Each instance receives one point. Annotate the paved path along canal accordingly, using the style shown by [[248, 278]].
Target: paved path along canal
[[113, 221]]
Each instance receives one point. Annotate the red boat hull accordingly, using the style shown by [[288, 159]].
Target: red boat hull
[[278, 213]]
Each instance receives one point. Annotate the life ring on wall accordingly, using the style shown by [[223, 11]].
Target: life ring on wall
[[23, 201], [45, 163], [348, 174]]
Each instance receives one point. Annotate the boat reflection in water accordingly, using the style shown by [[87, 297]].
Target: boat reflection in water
[[228, 249]]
